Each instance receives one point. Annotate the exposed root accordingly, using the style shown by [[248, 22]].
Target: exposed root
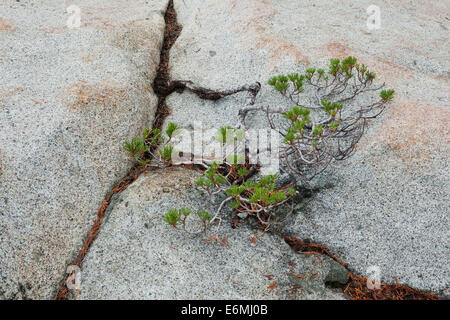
[[208, 94], [300, 246]]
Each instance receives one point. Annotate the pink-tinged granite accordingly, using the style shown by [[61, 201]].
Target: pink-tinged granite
[[69, 99], [389, 203]]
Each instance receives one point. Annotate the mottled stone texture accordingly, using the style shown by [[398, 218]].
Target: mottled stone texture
[[139, 256], [69, 98], [388, 206]]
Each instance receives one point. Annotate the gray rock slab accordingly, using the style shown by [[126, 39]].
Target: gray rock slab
[[388, 206], [69, 98], [139, 256]]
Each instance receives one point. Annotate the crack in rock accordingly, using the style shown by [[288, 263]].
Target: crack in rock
[[163, 86]]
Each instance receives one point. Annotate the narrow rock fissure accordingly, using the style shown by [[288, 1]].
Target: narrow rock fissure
[[356, 287], [162, 89], [163, 86]]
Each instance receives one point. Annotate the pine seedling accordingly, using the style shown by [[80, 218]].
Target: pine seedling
[[172, 217], [387, 95], [172, 130], [136, 148], [166, 153]]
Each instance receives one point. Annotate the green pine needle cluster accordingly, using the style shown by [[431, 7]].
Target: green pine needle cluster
[[174, 217], [262, 192], [299, 118], [139, 148], [152, 136], [331, 108], [211, 178], [282, 82], [387, 95], [339, 72], [347, 68], [172, 129], [229, 135], [166, 153], [136, 148]]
